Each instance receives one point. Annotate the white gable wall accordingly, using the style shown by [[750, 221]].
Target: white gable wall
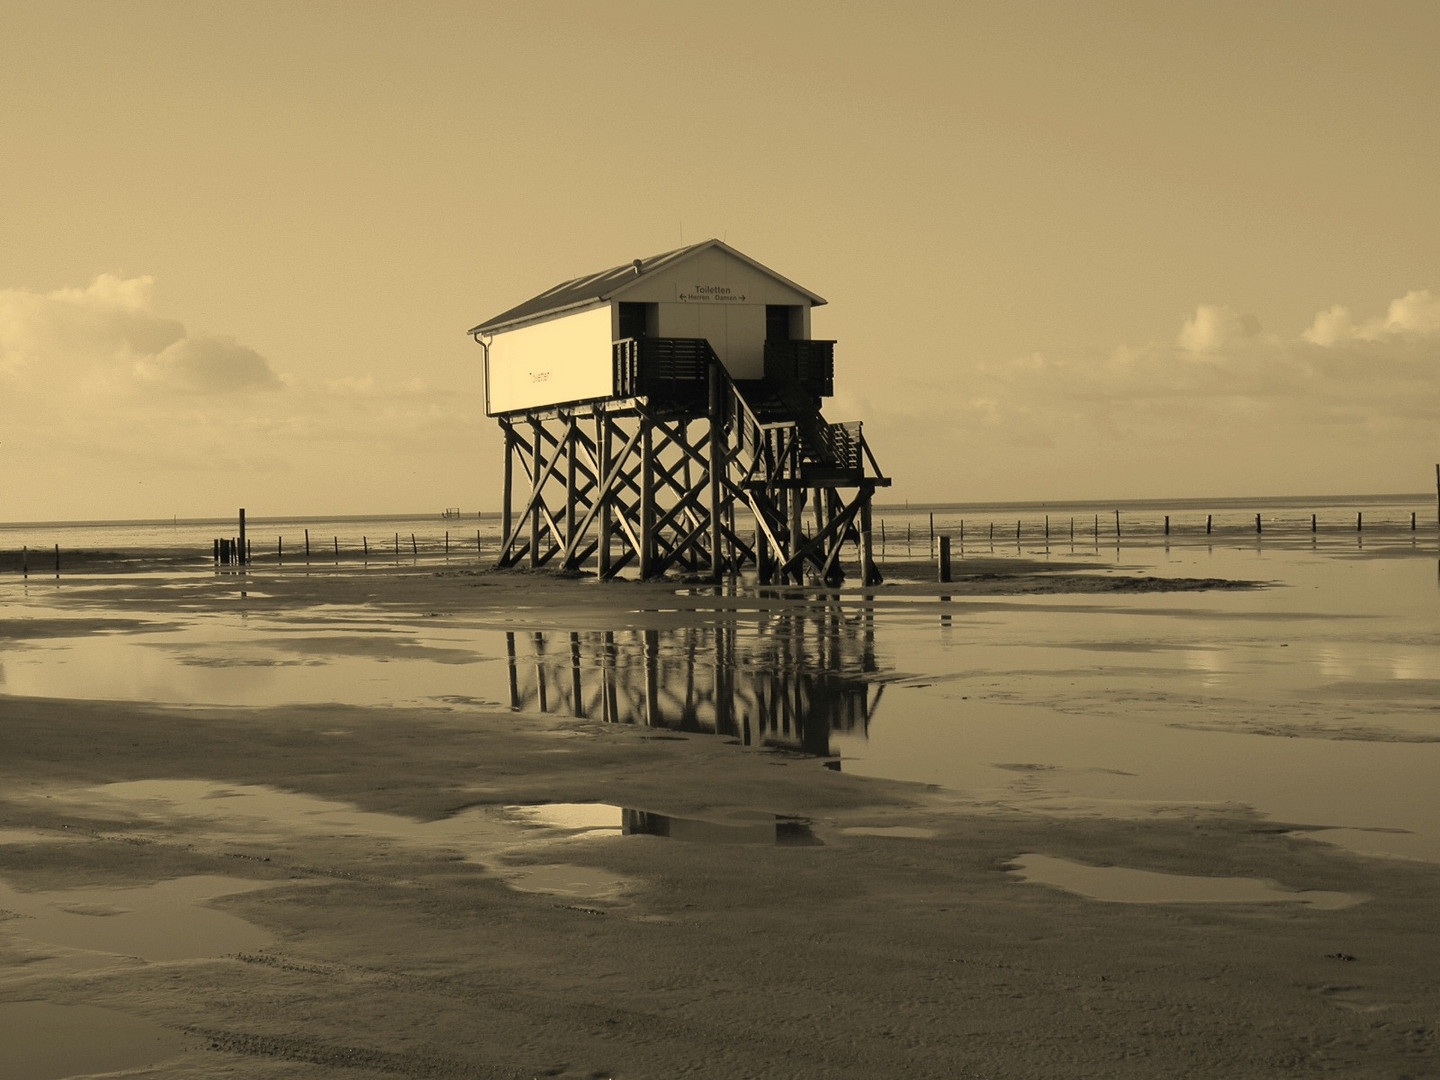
[[714, 295]]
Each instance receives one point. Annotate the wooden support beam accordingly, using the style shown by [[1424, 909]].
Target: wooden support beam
[[537, 482], [869, 572], [571, 494], [505, 515], [717, 454]]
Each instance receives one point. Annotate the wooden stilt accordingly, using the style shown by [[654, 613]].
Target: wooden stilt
[[647, 503], [506, 515], [571, 495], [537, 478], [717, 463]]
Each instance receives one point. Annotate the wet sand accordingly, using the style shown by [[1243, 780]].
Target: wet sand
[[412, 922]]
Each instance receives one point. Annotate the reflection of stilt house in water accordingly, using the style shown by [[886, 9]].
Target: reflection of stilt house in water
[[665, 414], [789, 681]]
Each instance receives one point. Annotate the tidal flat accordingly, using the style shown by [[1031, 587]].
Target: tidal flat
[[1096, 813]]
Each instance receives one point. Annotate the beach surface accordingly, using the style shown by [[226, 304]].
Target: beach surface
[[374, 883]]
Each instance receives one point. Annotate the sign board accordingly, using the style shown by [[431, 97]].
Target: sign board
[[696, 293]]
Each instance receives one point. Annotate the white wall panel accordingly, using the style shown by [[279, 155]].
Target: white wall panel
[[566, 358]]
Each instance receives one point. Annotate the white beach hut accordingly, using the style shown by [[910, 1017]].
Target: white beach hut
[[648, 401]]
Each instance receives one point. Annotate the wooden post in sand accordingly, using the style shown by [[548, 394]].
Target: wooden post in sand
[[1359, 520], [307, 545], [869, 572], [279, 550], [1312, 522], [1209, 520], [337, 548], [57, 560], [25, 561], [1437, 495], [1117, 526], [944, 559], [1257, 524], [242, 535], [1167, 524]]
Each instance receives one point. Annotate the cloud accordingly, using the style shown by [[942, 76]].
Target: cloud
[[1215, 327], [1414, 316], [209, 365], [109, 408], [1226, 405], [106, 338]]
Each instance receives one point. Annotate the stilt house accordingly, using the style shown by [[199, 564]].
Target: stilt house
[[665, 415]]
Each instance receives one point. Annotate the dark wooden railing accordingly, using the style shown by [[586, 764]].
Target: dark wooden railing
[[674, 369], [809, 363]]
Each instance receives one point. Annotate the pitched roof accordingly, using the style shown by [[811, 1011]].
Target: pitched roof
[[583, 291]]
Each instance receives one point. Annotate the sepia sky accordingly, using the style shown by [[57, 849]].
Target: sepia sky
[[1088, 250]]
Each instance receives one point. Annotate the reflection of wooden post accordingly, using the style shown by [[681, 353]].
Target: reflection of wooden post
[[577, 698], [542, 693], [510, 658], [653, 716], [609, 677]]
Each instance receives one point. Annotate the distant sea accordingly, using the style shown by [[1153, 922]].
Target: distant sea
[[427, 533]]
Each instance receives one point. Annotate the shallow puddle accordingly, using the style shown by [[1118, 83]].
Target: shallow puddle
[[42, 1041], [1310, 702], [907, 832], [579, 882], [164, 921], [605, 819], [1118, 884]]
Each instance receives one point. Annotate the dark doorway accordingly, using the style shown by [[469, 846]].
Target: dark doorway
[[634, 320], [780, 320]]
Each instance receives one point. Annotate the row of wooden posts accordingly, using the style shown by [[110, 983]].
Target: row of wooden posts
[[940, 546], [25, 561], [235, 551]]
